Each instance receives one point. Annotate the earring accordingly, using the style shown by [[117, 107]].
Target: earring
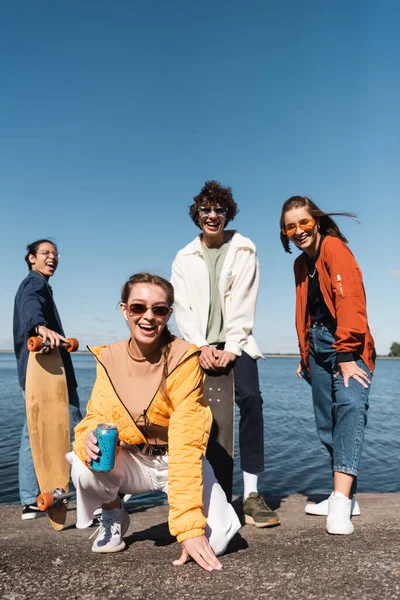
[[126, 318]]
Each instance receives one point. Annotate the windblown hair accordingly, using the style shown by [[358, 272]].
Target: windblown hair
[[213, 193], [33, 248], [166, 336], [326, 224]]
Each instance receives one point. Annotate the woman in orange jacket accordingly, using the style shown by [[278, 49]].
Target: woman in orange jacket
[[336, 347], [151, 387]]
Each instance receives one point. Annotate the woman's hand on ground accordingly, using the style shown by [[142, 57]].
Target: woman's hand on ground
[[54, 338], [225, 358], [200, 550], [350, 370], [209, 358], [91, 447]]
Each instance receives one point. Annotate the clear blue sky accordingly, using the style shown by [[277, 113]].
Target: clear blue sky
[[113, 114]]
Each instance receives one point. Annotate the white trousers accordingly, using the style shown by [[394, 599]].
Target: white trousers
[[136, 472]]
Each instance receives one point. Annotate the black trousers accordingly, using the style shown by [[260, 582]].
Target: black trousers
[[251, 425]]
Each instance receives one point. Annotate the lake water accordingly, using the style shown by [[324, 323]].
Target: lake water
[[295, 459]]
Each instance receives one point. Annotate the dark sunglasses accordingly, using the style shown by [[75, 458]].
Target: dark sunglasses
[[140, 309]]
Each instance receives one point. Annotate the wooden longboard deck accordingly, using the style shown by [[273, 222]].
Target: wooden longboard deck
[[47, 412], [219, 393]]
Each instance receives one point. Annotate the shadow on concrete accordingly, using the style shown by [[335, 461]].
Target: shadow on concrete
[[236, 544], [159, 534]]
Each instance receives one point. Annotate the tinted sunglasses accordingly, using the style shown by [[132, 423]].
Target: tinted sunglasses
[[304, 224], [220, 211], [139, 309]]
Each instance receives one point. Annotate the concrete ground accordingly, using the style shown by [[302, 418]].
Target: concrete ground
[[295, 560]]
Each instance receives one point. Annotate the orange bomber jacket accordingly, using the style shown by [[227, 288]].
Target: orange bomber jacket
[[189, 422], [342, 288]]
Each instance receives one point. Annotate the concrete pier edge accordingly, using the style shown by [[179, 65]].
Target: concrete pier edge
[[298, 559]]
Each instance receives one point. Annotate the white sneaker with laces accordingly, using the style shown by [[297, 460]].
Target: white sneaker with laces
[[338, 521], [113, 526], [321, 508]]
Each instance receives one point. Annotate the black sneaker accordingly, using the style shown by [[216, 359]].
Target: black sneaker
[[31, 511]]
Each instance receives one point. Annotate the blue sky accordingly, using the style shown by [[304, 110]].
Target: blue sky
[[113, 114]]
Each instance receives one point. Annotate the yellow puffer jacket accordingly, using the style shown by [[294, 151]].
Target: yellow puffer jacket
[[189, 422]]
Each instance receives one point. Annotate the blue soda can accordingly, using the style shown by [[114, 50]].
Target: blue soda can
[[107, 438]]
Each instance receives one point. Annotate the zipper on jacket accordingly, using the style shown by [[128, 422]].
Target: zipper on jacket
[[339, 279]]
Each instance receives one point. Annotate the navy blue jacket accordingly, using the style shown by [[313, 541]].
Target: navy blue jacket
[[34, 305]]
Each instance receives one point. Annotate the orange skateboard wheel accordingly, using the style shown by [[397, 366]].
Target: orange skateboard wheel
[[73, 345], [45, 501], [34, 344]]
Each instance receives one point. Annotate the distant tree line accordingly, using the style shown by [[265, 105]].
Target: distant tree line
[[395, 349]]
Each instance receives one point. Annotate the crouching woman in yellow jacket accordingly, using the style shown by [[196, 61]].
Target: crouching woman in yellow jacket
[[151, 387]]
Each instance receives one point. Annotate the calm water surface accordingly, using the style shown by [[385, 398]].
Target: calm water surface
[[295, 459]]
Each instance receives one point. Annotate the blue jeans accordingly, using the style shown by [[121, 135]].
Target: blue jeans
[[28, 485], [340, 412]]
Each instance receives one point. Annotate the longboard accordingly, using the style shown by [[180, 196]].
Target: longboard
[[219, 393], [47, 410]]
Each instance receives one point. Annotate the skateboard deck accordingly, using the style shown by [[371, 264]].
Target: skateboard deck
[[219, 393], [47, 409]]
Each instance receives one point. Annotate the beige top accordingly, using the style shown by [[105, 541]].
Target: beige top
[[137, 380]]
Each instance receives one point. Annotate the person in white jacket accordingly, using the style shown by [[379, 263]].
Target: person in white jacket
[[216, 279]]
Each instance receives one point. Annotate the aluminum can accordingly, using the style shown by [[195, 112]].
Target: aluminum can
[[107, 439]]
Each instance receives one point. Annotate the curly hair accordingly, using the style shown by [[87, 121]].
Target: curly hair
[[326, 225], [213, 193]]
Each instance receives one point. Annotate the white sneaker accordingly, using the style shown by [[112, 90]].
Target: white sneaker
[[113, 526], [338, 521], [321, 508]]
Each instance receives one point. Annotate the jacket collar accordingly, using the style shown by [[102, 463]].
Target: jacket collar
[[192, 349], [238, 241], [35, 274]]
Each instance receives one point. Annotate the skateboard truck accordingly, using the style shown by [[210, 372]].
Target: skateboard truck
[[56, 498], [35, 344]]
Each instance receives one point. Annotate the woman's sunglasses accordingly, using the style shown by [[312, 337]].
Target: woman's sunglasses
[[140, 309], [304, 224]]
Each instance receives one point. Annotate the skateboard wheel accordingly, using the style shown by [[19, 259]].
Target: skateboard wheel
[[34, 344], [73, 345], [45, 501]]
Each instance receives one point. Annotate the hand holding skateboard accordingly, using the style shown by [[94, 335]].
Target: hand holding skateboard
[[209, 358], [225, 358], [212, 359], [45, 344], [50, 338]]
